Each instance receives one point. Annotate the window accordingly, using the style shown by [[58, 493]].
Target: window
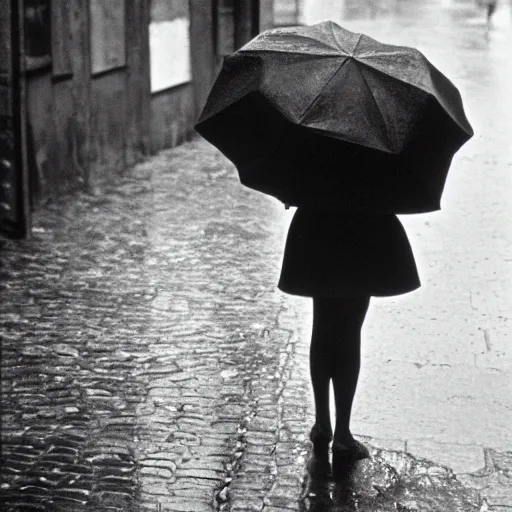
[[169, 44], [37, 34]]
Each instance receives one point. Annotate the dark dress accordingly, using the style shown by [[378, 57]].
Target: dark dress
[[335, 254]]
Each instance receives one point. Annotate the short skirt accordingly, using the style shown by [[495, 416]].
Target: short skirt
[[337, 254]]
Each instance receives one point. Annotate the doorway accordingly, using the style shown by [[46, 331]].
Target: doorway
[[14, 196]]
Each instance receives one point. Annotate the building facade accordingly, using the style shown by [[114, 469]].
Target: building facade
[[88, 87], [287, 12]]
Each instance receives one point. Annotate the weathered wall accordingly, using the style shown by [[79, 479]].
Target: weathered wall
[[172, 117], [71, 97], [286, 12], [58, 99], [203, 50], [86, 128], [138, 93], [217, 27], [266, 14], [108, 125], [9, 173], [42, 140]]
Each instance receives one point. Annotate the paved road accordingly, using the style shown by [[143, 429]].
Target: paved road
[[149, 363]]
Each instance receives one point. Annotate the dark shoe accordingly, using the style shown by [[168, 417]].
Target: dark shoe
[[344, 456], [320, 441]]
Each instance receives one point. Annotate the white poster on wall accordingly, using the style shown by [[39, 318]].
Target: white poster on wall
[[170, 53]]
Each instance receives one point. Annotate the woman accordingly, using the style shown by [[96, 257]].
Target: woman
[[341, 260], [490, 7]]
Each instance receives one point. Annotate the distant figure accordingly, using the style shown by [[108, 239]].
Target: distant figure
[[490, 7]]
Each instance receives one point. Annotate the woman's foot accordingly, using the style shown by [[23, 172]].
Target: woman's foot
[[346, 453], [318, 465], [320, 439]]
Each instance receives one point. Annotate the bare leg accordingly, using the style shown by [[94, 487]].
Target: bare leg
[[335, 354], [320, 365], [347, 357]]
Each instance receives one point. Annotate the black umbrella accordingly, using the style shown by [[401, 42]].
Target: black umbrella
[[325, 117]]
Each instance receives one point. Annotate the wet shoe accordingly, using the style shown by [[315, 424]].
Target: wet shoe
[[346, 455], [320, 441]]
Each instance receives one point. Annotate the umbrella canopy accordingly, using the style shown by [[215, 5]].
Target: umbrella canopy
[[325, 117]]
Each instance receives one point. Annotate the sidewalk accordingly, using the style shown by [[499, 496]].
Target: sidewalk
[[150, 364]]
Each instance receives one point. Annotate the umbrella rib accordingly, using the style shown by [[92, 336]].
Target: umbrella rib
[[378, 109], [398, 50], [368, 63], [338, 41], [317, 97], [416, 86], [357, 44], [340, 46]]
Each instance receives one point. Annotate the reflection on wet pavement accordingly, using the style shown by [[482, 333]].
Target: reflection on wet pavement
[[390, 481]]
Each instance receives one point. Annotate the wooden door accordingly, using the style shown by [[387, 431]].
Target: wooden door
[[14, 202]]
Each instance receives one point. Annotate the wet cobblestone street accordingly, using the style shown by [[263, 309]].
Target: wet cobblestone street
[[149, 364], [126, 347]]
